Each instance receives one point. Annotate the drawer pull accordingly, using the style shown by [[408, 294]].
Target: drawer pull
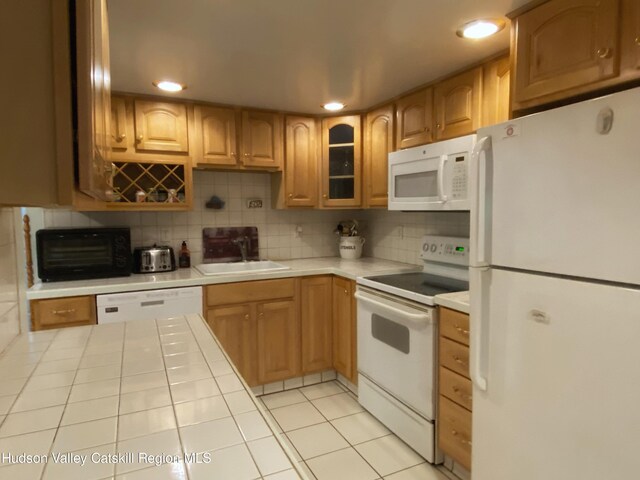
[[461, 330], [462, 440], [64, 312], [457, 391], [458, 360]]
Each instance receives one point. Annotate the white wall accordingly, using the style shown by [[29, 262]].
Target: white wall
[[9, 302]]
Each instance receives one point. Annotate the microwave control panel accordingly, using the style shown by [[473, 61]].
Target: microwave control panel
[[459, 177], [445, 249]]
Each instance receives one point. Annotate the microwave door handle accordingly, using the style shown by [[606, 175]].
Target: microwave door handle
[[443, 162]]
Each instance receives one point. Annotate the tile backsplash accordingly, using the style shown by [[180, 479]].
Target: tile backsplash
[[397, 235], [9, 303], [389, 235], [278, 229]]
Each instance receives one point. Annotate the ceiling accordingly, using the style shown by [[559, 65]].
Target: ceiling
[[294, 55]]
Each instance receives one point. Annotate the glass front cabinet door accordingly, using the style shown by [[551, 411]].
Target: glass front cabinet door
[[341, 162]]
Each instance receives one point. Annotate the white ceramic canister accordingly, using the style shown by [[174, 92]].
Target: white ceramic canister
[[351, 247]]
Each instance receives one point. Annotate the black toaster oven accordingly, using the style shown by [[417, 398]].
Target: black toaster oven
[[81, 253]]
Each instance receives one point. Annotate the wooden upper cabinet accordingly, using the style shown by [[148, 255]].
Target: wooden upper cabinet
[[414, 114], [496, 91], [94, 99], [161, 126], [215, 132], [119, 137], [458, 104], [316, 323], [379, 140], [565, 47], [301, 162], [235, 328], [278, 341], [630, 44], [341, 161], [262, 139]]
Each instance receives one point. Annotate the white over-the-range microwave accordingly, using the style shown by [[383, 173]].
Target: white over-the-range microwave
[[431, 177]]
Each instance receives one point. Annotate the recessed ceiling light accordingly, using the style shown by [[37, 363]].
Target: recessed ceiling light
[[480, 28], [169, 86], [333, 106]]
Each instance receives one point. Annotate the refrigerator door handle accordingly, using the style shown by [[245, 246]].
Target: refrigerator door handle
[[441, 193], [478, 334], [479, 214]]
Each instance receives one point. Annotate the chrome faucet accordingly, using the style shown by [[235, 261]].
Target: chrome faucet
[[242, 242]]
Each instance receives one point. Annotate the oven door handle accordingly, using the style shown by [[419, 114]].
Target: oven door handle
[[419, 319]]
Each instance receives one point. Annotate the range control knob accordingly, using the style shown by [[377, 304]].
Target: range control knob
[[425, 247], [433, 247]]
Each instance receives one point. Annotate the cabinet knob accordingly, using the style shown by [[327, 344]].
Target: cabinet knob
[[246, 317], [261, 314], [291, 195], [638, 41], [119, 138], [346, 292], [140, 138], [604, 52], [324, 195], [246, 154], [438, 126], [233, 154]]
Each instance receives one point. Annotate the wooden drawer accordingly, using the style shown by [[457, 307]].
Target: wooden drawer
[[454, 325], [456, 387], [242, 292], [454, 431], [454, 356], [63, 312]]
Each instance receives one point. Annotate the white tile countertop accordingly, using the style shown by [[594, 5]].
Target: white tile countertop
[[133, 401], [191, 277], [456, 301]]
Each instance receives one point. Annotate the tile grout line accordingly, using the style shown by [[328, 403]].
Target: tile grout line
[[173, 406]]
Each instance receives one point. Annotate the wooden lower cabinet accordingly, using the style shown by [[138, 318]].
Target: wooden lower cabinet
[[344, 329], [235, 328], [455, 388], [258, 325], [278, 329], [63, 312], [274, 330], [316, 323]]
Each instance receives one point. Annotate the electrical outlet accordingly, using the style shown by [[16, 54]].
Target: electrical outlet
[[254, 203]]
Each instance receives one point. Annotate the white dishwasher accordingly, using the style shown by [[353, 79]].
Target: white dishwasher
[[149, 304]]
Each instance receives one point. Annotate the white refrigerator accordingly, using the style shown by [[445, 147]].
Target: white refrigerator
[[555, 294]]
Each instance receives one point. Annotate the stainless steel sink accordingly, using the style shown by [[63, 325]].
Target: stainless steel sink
[[240, 267]]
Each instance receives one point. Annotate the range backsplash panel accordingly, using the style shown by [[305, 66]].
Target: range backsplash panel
[[218, 244]]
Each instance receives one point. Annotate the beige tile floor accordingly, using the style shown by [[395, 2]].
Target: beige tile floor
[[334, 438]]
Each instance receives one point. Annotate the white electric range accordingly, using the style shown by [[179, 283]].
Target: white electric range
[[397, 325]]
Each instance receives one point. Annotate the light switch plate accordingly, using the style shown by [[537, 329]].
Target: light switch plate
[[254, 203]]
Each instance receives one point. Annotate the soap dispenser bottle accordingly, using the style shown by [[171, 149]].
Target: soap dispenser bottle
[[185, 256]]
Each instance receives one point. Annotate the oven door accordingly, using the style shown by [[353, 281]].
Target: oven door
[[416, 183], [396, 348]]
